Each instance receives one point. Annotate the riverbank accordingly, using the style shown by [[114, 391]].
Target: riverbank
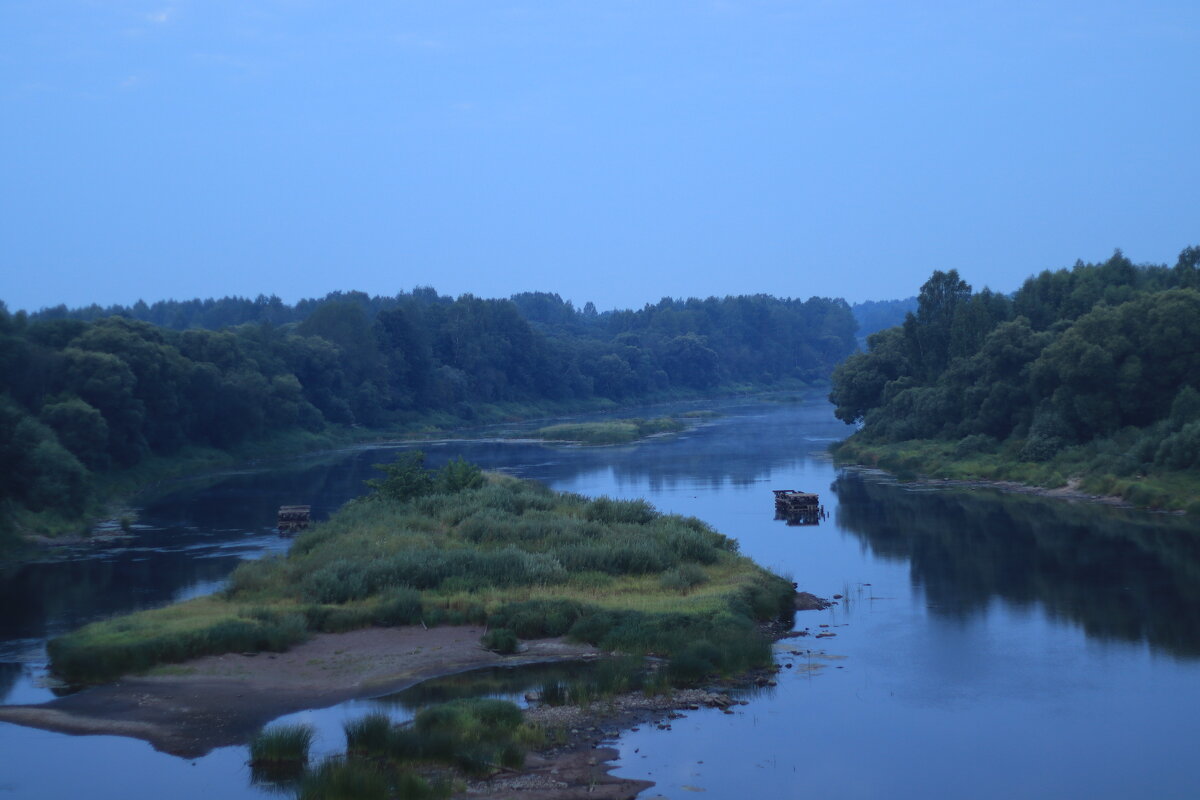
[[26, 535], [944, 463], [192, 708]]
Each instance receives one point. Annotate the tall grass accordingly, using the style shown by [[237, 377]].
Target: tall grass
[[282, 744], [279, 756], [369, 735], [356, 779]]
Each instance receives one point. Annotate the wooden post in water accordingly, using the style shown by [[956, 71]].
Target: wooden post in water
[[798, 508], [293, 518]]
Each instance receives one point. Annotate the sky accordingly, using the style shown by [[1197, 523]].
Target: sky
[[616, 151]]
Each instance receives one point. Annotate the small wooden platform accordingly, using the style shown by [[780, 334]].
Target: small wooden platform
[[293, 518], [798, 508]]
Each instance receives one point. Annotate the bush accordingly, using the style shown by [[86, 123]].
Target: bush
[[500, 640], [404, 479], [458, 475], [607, 510]]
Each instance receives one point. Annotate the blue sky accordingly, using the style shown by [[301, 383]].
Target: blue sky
[[610, 151]]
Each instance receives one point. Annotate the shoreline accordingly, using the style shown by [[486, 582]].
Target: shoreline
[[919, 460], [192, 708], [30, 545], [189, 709], [1069, 492]]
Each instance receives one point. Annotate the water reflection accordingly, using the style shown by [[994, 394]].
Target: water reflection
[[506, 683], [1120, 574]]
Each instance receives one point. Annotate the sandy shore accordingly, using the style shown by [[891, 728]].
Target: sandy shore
[[192, 708]]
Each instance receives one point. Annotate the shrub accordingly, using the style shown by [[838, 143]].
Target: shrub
[[458, 475], [605, 509], [404, 479], [500, 640]]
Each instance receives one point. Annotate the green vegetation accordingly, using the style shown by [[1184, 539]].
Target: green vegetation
[[620, 431], [500, 640], [91, 397], [509, 554], [384, 760], [1088, 375], [281, 744], [279, 755]]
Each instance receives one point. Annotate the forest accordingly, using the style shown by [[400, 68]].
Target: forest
[[1092, 371], [92, 391]]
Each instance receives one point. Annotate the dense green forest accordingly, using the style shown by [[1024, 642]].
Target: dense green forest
[[1088, 372], [97, 390]]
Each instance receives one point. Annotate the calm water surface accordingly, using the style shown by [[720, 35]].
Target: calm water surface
[[987, 645]]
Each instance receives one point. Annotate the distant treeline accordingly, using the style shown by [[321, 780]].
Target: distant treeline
[[539, 308], [873, 316], [96, 389], [1105, 356]]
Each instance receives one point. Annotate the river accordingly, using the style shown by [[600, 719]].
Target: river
[[987, 645]]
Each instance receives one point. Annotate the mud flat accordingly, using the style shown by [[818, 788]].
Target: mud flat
[[192, 708]]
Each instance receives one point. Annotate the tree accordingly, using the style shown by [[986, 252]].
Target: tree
[[929, 332], [404, 479]]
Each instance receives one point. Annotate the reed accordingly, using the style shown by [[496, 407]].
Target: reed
[[282, 744], [369, 735]]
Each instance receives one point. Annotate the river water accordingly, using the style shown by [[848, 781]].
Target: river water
[[987, 645]]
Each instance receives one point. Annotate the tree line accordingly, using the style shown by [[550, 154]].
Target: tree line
[[1104, 356], [90, 390]]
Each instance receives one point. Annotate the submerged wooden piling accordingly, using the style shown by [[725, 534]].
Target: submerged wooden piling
[[293, 518], [798, 508]]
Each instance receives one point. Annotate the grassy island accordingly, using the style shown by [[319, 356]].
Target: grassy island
[[617, 431], [462, 547]]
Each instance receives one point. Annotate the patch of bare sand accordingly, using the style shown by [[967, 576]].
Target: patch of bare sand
[[217, 701]]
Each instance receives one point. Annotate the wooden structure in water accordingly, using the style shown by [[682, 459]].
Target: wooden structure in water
[[293, 518], [798, 508]]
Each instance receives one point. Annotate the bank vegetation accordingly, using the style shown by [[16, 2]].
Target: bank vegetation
[[458, 547], [1088, 376]]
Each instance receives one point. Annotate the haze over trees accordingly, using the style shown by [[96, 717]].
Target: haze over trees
[[875, 315], [93, 390], [1103, 356]]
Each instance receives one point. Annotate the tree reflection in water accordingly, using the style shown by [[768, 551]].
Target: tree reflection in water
[[1120, 574]]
